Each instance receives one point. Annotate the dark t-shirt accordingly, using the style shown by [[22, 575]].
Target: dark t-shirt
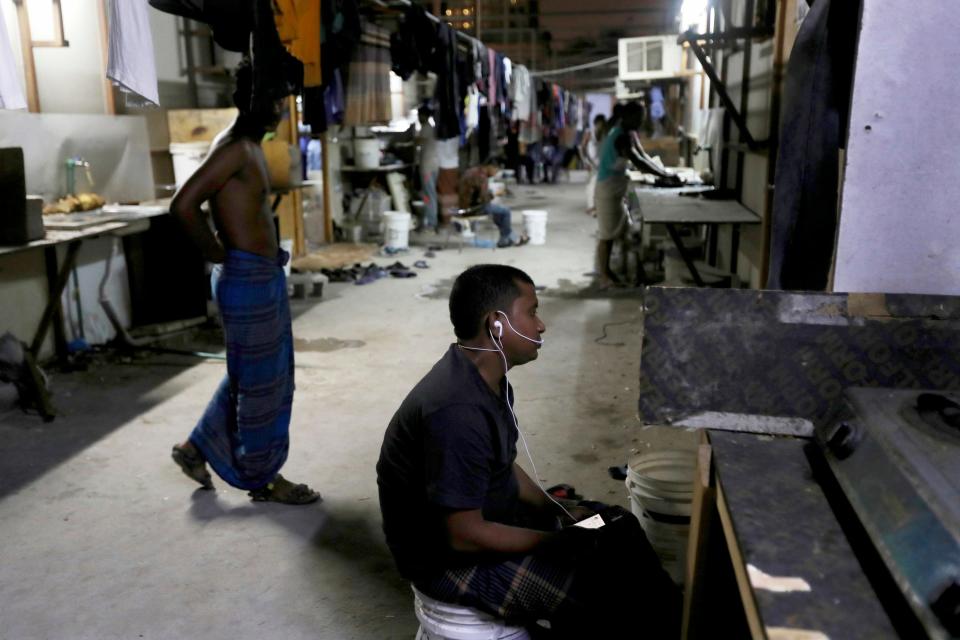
[[450, 447]]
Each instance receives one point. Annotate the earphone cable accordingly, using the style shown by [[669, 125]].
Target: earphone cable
[[516, 425]]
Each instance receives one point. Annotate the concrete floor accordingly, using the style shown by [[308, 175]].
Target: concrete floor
[[103, 537]]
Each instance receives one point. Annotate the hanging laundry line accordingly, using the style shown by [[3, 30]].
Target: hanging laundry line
[[587, 65], [406, 3]]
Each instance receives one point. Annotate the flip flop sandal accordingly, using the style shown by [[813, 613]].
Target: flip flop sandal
[[297, 494], [192, 465]]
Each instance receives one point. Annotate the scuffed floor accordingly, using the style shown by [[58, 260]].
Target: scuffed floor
[[103, 537]]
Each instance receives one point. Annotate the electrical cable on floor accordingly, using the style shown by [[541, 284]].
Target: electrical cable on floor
[[604, 336]]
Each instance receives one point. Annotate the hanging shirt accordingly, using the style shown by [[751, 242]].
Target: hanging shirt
[[521, 93], [657, 110], [298, 24], [11, 93], [612, 164], [429, 162], [472, 108], [131, 64], [448, 153], [447, 90], [493, 80]]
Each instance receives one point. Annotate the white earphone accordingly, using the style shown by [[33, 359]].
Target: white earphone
[[499, 349], [500, 327]]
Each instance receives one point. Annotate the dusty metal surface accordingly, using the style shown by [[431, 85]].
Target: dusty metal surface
[[787, 532], [898, 465], [776, 353]]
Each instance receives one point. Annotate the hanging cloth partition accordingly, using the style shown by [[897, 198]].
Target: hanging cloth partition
[[368, 79], [131, 66], [11, 93], [449, 103]]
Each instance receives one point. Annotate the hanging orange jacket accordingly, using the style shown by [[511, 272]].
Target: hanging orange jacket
[[298, 23]]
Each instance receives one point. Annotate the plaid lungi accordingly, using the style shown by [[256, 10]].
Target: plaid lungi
[[525, 589], [585, 583], [244, 432]]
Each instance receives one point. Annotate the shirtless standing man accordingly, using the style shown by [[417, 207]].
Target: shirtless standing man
[[244, 432]]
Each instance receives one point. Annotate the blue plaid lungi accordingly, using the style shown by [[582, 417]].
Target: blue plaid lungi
[[244, 432]]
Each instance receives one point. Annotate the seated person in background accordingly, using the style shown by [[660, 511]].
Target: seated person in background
[[468, 526], [552, 154], [474, 192]]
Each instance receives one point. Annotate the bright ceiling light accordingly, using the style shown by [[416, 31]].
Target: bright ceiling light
[[693, 13]]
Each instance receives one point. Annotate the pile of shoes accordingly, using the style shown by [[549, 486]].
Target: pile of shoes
[[365, 274]]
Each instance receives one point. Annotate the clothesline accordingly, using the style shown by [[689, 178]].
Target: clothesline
[[460, 34], [470, 39], [586, 65]]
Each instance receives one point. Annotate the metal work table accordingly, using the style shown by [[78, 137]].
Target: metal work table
[[671, 207], [759, 511], [58, 273]]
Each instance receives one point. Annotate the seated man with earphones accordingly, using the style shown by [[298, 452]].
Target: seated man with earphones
[[458, 511]]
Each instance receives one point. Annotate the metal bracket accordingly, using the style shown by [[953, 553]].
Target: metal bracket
[[694, 39]]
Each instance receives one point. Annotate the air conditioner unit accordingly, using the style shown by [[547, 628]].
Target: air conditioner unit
[[649, 58]]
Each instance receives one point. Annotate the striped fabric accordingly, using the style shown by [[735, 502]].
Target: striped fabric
[[243, 434], [587, 583], [367, 99], [522, 590]]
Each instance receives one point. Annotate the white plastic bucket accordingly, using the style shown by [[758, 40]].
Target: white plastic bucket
[[442, 621], [535, 222], [187, 157], [396, 234], [660, 487], [366, 153]]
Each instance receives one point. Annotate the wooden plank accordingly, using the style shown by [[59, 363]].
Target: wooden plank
[[704, 501], [327, 212], [296, 202], [780, 53], [739, 568], [26, 49], [109, 97], [198, 125]]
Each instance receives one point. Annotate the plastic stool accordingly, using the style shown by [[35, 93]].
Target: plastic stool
[[444, 621]]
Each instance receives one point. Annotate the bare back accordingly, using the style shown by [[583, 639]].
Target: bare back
[[241, 211], [233, 179]]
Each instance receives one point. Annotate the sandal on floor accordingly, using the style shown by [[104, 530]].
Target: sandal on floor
[[285, 492], [192, 465]]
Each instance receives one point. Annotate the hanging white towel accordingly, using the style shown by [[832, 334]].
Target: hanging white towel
[[11, 93], [520, 93], [472, 109], [131, 63]]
